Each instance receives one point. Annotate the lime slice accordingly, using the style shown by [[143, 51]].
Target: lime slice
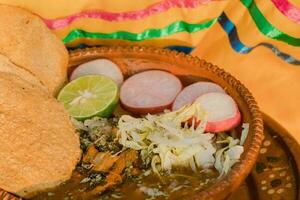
[[88, 96]]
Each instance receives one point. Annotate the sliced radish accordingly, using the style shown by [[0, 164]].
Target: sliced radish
[[100, 66], [190, 93], [149, 91], [223, 113]]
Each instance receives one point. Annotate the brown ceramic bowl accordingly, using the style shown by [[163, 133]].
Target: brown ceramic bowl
[[190, 69]]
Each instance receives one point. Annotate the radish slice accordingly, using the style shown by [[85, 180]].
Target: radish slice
[[149, 92], [223, 113], [100, 66], [190, 93]]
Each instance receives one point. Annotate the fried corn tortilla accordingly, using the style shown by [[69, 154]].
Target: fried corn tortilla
[[8, 67], [29, 44], [39, 146]]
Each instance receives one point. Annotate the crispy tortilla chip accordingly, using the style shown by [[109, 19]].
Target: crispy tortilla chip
[[29, 44], [39, 146]]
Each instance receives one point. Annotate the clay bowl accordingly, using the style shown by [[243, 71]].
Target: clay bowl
[[134, 59], [190, 69]]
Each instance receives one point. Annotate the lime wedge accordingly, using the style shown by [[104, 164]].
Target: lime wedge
[[89, 96]]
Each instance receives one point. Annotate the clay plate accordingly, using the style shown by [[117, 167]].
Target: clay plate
[[277, 170]]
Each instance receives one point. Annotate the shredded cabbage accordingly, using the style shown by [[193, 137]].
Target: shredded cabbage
[[244, 133], [172, 142], [228, 156]]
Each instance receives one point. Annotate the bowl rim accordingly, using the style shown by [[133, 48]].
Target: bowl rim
[[230, 182]]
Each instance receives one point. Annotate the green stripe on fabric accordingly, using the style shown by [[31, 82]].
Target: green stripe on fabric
[[265, 27], [176, 27]]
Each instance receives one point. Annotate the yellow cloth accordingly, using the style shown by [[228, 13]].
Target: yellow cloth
[[270, 70], [274, 83]]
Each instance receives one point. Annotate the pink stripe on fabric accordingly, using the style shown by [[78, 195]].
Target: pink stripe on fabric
[[288, 9], [159, 7]]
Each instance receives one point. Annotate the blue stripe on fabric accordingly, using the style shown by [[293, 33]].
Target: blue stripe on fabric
[[184, 49], [239, 47]]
